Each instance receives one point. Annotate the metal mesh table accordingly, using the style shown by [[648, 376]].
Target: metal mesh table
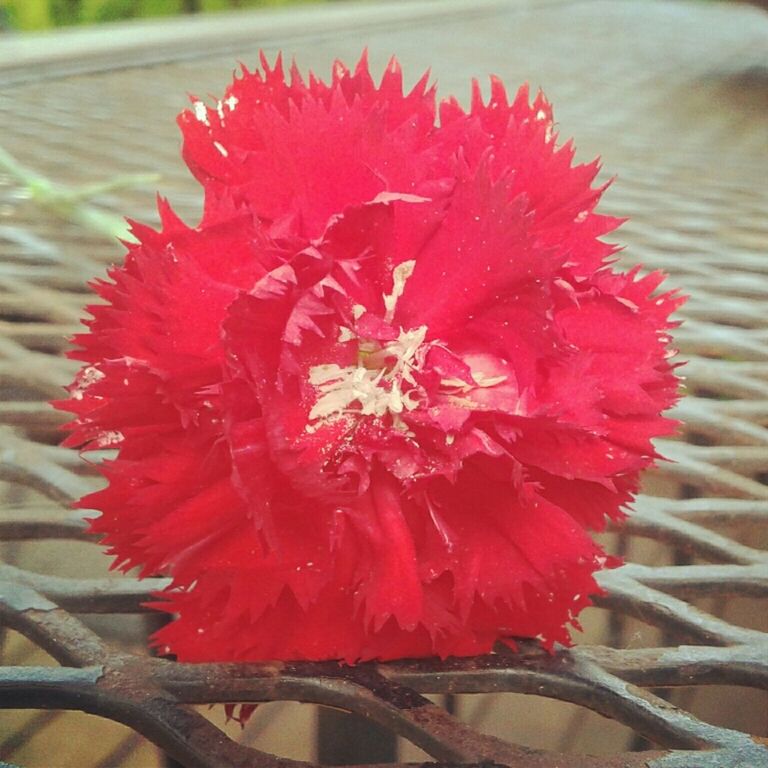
[[675, 98]]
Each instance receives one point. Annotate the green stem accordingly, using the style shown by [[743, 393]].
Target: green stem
[[71, 204]]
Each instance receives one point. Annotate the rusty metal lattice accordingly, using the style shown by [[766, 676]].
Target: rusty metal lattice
[[675, 96]]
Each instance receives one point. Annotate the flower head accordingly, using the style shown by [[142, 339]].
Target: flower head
[[369, 406]]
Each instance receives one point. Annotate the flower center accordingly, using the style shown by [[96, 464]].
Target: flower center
[[382, 381]]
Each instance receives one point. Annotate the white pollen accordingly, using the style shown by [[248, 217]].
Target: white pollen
[[222, 150], [201, 112], [232, 102], [400, 275], [89, 375], [113, 437], [487, 381], [371, 391]]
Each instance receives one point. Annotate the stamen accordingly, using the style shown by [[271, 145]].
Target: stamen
[[201, 112], [400, 276], [374, 390], [384, 380]]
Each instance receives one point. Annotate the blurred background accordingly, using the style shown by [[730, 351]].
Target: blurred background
[[42, 14]]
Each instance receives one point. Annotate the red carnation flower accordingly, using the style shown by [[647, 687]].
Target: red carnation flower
[[367, 408]]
